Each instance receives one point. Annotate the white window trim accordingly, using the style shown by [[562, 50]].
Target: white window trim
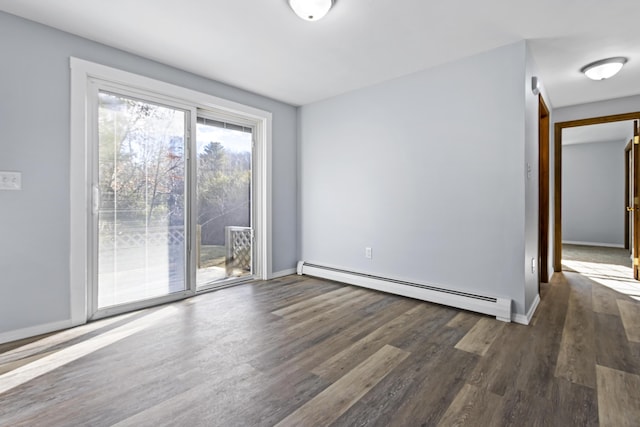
[[82, 72]]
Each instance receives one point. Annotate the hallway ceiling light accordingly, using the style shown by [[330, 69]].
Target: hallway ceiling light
[[311, 10], [604, 68]]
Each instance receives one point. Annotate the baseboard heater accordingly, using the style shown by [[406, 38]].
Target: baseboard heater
[[498, 307]]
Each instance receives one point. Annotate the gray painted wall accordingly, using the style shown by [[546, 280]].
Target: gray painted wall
[[429, 171], [34, 139], [593, 193]]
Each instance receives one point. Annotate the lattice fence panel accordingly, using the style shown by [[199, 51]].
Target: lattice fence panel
[[238, 244], [139, 238]]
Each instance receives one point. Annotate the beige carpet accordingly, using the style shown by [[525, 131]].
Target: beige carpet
[[596, 254]]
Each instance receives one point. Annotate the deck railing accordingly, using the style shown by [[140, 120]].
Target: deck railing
[[237, 242]]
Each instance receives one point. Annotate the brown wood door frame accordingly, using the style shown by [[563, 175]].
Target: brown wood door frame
[[557, 187], [635, 172], [543, 191], [627, 193]]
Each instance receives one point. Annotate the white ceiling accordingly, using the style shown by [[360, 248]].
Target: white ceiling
[[261, 46], [605, 132]]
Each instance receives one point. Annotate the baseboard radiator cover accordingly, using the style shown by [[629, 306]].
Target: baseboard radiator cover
[[498, 307]]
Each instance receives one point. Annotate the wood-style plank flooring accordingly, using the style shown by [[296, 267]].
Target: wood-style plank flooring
[[299, 351]]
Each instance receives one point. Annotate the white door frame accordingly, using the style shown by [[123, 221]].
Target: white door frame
[[83, 73]]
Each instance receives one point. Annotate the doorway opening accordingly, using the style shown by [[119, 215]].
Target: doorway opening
[[592, 195], [224, 235]]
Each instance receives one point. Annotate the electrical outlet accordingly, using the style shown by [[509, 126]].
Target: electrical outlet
[[10, 180], [533, 265], [367, 253]]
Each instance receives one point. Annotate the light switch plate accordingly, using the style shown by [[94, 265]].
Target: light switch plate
[[10, 180]]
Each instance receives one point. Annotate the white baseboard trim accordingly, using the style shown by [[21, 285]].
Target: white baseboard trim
[[526, 319], [32, 331], [283, 273], [604, 245]]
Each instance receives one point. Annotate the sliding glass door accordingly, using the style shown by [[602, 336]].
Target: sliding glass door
[[170, 194], [224, 235], [139, 201]]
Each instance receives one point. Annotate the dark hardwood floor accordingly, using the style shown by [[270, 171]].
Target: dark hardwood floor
[[299, 351]]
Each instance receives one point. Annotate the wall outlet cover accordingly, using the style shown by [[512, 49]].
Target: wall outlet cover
[[10, 180]]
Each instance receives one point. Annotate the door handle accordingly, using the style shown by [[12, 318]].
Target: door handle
[[96, 199], [630, 209]]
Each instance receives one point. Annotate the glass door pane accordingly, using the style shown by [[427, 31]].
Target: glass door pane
[[224, 235], [141, 193]]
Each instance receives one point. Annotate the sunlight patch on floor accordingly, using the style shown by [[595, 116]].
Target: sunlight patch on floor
[[616, 277], [60, 358], [59, 338]]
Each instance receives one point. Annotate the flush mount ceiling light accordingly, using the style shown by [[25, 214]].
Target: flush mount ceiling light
[[311, 10], [604, 68]]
